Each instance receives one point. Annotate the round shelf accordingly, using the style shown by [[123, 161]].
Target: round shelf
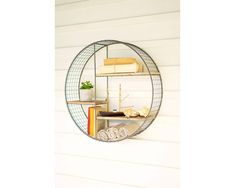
[[73, 80]]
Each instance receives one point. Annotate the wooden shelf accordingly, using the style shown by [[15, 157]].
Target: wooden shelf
[[125, 74], [138, 118], [97, 102]]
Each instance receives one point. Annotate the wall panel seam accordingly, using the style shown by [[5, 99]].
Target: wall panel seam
[[133, 138], [115, 19], [130, 41], [139, 139], [155, 140], [99, 180], [114, 160]]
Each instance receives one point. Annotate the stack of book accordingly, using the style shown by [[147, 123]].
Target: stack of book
[[94, 126], [121, 65]]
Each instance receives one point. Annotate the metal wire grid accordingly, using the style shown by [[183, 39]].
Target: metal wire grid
[[73, 82], [157, 91], [75, 71]]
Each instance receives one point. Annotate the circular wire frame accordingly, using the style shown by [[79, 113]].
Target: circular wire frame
[[73, 80]]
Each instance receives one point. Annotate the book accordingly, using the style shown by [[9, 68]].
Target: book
[[88, 122], [93, 125], [119, 61], [134, 67]]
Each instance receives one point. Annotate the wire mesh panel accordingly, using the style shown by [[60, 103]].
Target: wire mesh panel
[[156, 86], [73, 81]]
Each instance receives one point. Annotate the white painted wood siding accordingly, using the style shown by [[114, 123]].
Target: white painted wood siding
[[151, 159]]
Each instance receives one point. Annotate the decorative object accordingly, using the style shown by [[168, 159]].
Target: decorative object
[[86, 91], [123, 132], [102, 135], [112, 134], [120, 99], [129, 112], [74, 97], [144, 111]]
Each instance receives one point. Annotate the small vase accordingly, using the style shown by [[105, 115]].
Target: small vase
[[86, 94]]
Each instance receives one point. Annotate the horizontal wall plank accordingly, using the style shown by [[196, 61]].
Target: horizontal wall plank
[[158, 50], [170, 79], [130, 150], [70, 181], [78, 13], [113, 171], [166, 24], [164, 128], [64, 123]]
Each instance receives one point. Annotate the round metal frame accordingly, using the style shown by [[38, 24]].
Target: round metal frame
[[76, 69]]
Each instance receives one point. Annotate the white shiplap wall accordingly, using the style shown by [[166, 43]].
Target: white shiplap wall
[[150, 159]]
